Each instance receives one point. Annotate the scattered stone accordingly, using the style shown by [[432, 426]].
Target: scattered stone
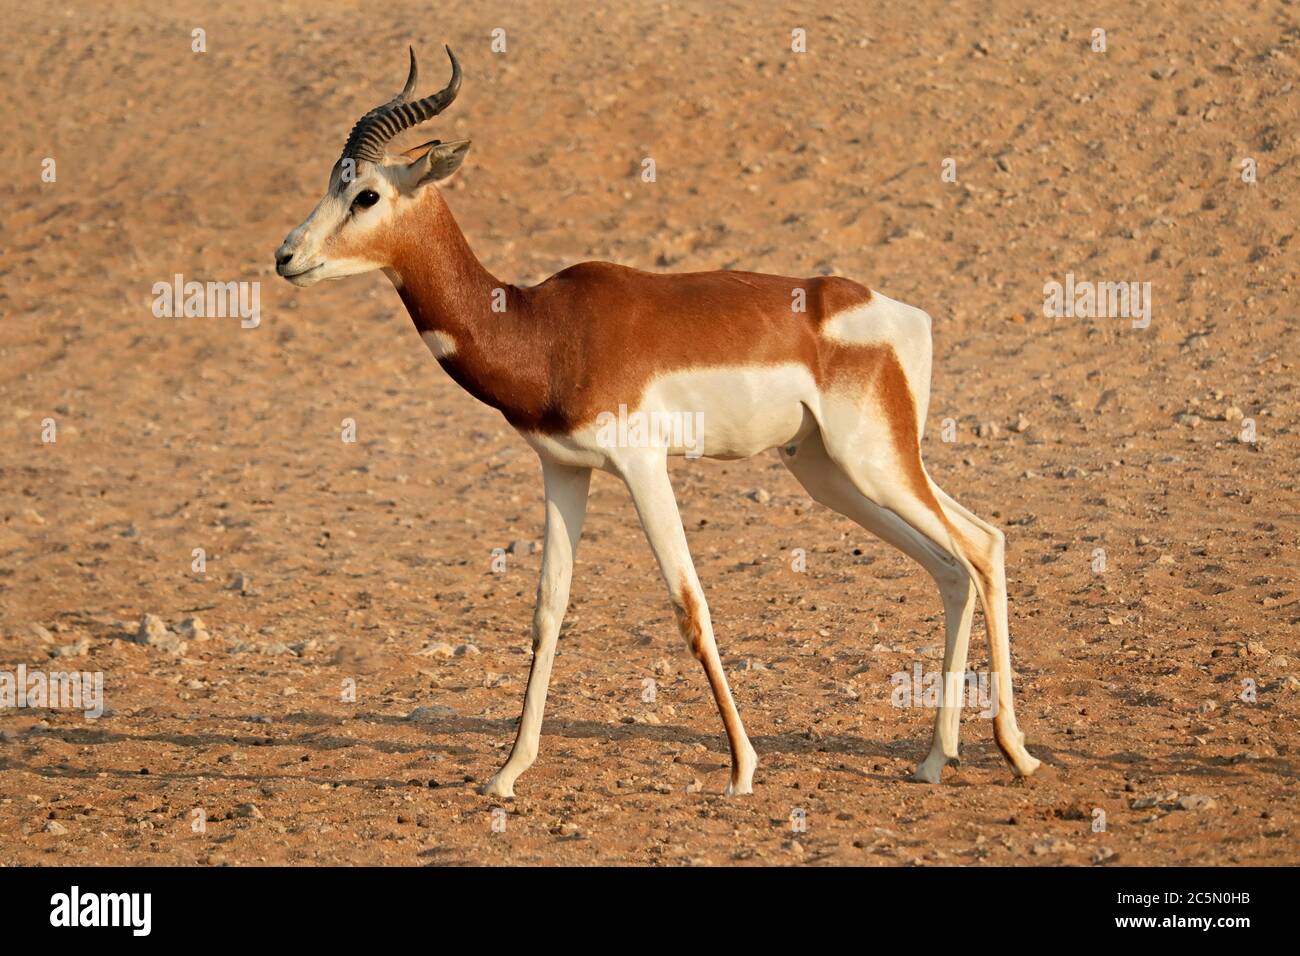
[[193, 629], [987, 430], [466, 650], [152, 631], [1073, 471], [247, 811], [1052, 845], [760, 495], [78, 648], [41, 633], [495, 680], [521, 546], [440, 649], [1196, 801], [1102, 854], [1021, 424], [55, 827], [1156, 800]]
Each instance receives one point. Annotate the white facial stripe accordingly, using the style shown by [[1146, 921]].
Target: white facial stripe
[[311, 242]]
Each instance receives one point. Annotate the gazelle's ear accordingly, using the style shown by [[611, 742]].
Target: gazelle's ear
[[433, 162]]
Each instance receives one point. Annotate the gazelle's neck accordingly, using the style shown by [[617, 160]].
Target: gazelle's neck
[[443, 285], [469, 319]]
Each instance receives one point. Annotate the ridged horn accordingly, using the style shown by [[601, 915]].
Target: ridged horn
[[376, 129]]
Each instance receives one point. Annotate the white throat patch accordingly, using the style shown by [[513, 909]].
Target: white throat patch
[[439, 342]]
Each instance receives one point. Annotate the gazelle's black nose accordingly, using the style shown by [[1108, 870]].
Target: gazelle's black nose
[[282, 258]]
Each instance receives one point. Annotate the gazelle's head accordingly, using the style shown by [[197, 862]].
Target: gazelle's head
[[355, 226]]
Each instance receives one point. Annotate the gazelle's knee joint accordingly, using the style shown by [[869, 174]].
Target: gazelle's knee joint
[[951, 575], [545, 624], [689, 610]]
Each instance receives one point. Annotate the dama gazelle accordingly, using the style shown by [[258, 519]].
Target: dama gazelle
[[841, 388]]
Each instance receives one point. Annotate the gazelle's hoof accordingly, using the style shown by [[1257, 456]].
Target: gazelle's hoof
[[1011, 741], [742, 781], [930, 770], [496, 787], [1026, 765]]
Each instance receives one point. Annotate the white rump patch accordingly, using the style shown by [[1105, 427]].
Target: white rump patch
[[882, 320], [906, 329]]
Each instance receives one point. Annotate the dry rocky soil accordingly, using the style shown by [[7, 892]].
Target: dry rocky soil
[[357, 664]]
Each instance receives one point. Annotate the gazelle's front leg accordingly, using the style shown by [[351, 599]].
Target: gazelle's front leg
[[566, 506], [652, 493]]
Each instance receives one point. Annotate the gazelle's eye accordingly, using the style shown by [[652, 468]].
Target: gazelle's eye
[[366, 198]]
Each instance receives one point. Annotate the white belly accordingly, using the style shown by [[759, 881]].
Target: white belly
[[736, 412], [724, 413]]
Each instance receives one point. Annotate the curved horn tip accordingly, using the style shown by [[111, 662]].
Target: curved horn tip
[[412, 76]]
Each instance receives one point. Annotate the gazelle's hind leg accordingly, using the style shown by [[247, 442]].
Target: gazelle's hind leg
[[830, 485], [985, 547], [871, 462]]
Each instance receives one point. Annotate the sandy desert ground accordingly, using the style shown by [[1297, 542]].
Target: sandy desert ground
[[1146, 477]]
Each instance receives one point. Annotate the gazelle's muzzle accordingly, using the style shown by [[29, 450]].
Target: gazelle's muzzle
[[294, 258]]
